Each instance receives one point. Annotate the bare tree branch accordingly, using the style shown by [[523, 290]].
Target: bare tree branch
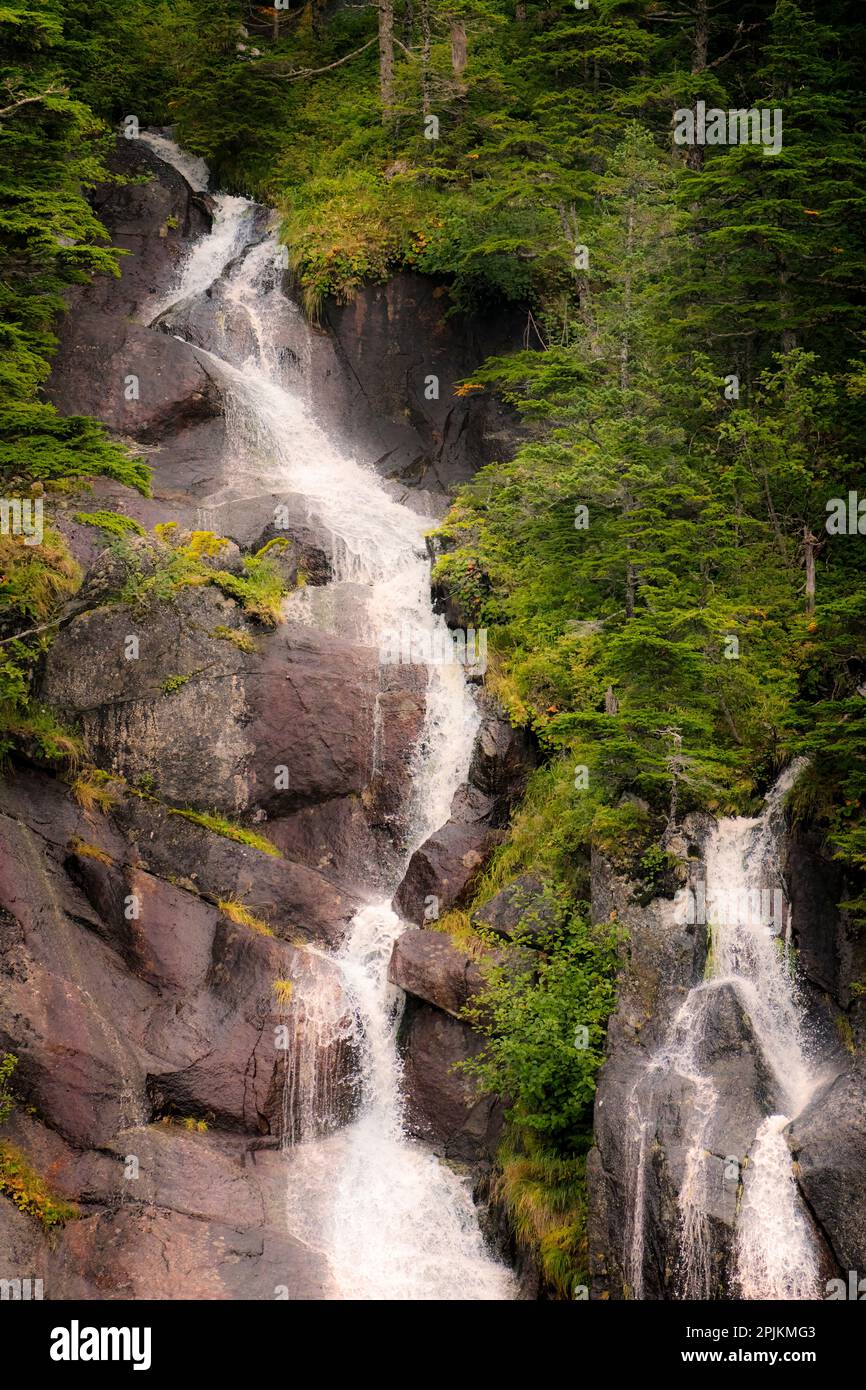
[[27, 101], [313, 72]]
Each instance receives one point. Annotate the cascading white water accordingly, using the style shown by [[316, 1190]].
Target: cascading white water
[[392, 1220], [776, 1256], [774, 1251]]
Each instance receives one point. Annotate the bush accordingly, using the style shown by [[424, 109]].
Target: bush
[[30, 1193], [545, 1027]]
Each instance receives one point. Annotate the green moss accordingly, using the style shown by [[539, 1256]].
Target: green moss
[[240, 639], [218, 825], [173, 683], [114, 523], [846, 1032], [8, 1063]]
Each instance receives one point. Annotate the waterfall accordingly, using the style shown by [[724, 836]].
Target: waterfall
[[749, 931], [393, 1222]]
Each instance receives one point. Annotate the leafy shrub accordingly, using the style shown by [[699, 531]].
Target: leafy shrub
[[30, 1193], [532, 1020]]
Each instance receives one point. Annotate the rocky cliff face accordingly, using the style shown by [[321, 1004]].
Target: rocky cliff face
[[149, 939]]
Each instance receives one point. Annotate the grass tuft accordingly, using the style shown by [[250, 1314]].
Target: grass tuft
[[238, 912]]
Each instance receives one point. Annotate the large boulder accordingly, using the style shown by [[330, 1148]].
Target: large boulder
[[521, 911], [446, 1106], [427, 965], [172, 391], [443, 870], [828, 1140], [208, 725]]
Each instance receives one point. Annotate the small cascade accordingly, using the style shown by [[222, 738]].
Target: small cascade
[[320, 1037], [749, 935], [776, 1255]]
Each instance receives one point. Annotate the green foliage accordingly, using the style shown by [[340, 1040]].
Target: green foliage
[[8, 1063], [219, 825], [259, 590], [173, 683], [531, 1016], [51, 153], [182, 560], [113, 523], [544, 1195]]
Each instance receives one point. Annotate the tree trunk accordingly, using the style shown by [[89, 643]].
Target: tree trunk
[[386, 59], [425, 56], [810, 547], [624, 348], [458, 46], [700, 50]]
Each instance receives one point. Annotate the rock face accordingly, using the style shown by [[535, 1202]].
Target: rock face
[[209, 725], [383, 350], [155, 999], [519, 912], [687, 1080], [442, 871], [664, 961], [447, 1107]]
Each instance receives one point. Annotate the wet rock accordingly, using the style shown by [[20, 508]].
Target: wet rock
[[502, 760], [336, 840], [446, 1106], [209, 1223], [665, 958], [172, 1011], [427, 965], [398, 722], [442, 872], [828, 1141], [520, 911], [374, 368], [153, 221], [832, 950], [175, 388]]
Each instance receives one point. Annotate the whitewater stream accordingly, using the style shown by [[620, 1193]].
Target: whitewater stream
[[391, 1221], [774, 1252]]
